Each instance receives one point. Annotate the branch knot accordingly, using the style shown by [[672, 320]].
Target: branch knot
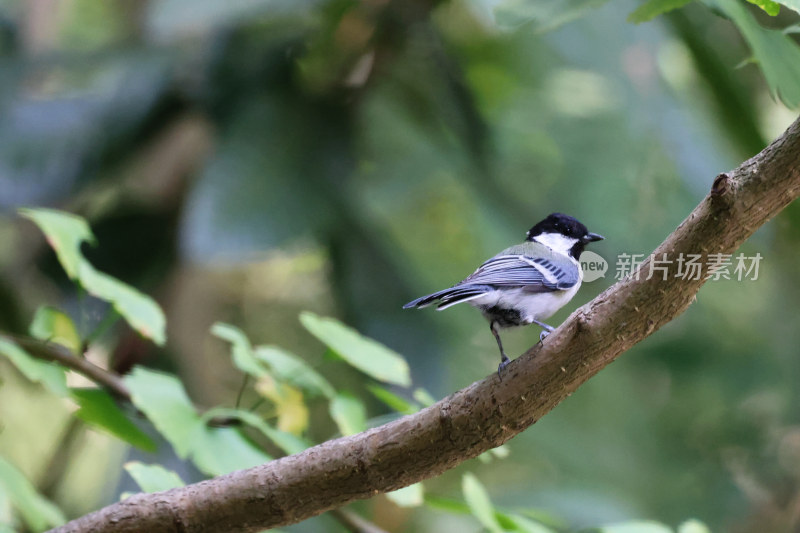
[[721, 184]]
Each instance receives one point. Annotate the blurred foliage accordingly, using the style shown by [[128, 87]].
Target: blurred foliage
[[242, 161], [152, 478]]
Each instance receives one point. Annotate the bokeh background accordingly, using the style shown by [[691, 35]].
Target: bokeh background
[[245, 160]]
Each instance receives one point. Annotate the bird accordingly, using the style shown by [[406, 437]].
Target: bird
[[524, 284]]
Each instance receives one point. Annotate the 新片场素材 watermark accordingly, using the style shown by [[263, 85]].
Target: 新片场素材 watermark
[[684, 266]]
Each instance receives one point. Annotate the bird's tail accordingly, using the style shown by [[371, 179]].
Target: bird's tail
[[452, 296]]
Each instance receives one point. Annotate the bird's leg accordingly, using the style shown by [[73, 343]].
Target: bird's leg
[[546, 329], [504, 360]]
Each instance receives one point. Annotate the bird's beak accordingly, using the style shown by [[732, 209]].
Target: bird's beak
[[592, 237]]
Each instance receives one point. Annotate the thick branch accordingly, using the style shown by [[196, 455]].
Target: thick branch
[[487, 413]]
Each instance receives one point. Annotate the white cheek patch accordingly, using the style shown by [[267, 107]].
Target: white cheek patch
[[556, 242]]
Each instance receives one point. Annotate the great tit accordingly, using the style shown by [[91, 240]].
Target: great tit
[[526, 283]]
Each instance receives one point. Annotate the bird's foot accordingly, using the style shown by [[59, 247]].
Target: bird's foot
[[503, 364], [542, 335], [543, 325]]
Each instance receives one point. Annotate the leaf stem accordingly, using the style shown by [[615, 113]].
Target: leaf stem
[[241, 390]]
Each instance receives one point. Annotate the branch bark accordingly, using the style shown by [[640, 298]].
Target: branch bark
[[489, 412]]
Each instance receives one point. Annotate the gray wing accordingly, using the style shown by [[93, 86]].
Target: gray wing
[[530, 265], [545, 274]]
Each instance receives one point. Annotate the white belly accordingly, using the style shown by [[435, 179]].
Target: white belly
[[531, 306]]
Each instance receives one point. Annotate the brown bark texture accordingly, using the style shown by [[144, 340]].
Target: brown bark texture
[[489, 412]]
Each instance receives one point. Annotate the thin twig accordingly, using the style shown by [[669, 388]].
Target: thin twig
[[60, 459], [49, 351], [245, 379], [111, 381]]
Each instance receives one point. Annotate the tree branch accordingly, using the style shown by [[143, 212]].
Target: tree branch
[[49, 351], [108, 379], [489, 412]]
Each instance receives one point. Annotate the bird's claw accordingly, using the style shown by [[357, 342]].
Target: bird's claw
[[503, 364], [542, 335]]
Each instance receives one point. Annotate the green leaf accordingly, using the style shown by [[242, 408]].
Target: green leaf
[[653, 8], [99, 409], [51, 375], [424, 397], [153, 478], [6, 511], [794, 28], [291, 444], [220, 451], [693, 526], [37, 512], [777, 53], [367, 355], [501, 452], [770, 8], [392, 400], [636, 526], [162, 398], [215, 451], [349, 414], [543, 517], [745, 62], [526, 525], [65, 233], [511, 521], [292, 369], [410, 496], [241, 351], [544, 15], [139, 310], [447, 505], [479, 504], [52, 325]]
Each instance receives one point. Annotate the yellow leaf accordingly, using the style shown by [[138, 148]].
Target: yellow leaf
[[289, 405]]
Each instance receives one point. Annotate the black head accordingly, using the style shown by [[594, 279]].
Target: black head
[[575, 234]]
